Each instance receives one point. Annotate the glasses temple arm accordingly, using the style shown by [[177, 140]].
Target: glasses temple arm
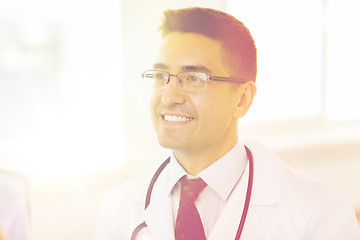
[[226, 79]]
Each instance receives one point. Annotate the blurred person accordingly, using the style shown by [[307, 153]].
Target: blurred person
[[213, 186], [14, 220]]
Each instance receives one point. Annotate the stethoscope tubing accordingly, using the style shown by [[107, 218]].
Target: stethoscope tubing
[[248, 193], [246, 204], [148, 196]]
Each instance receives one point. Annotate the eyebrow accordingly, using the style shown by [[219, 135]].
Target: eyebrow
[[185, 68], [195, 68], [160, 66]]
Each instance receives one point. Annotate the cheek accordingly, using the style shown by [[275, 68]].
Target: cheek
[[154, 99], [217, 112], [215, 104]]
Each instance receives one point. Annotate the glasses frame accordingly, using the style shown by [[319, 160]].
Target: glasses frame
[[208, 77]]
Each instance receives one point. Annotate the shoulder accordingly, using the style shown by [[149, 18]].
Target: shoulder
[[128, 194], [326, 213], [123, 206], [133, 190], [269, 169], [308, 192], [318, 211]]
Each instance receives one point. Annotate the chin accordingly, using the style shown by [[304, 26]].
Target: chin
[[169, 144], [166, 144]]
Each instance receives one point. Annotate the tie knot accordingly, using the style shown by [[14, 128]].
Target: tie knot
[[190, 189]]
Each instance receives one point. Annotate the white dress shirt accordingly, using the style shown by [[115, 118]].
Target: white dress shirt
[[219, 185]]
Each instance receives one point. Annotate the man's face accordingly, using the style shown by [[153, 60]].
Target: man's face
[[195, 121]]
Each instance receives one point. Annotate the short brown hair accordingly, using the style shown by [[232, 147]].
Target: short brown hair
[[239, 46]]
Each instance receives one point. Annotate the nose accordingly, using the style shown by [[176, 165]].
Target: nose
[[172, 94]]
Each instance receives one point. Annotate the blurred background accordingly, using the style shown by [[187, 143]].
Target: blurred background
[[74, 118]]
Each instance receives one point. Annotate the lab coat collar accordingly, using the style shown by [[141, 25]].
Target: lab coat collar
[[158, 215], [267, 175], [267, 187]]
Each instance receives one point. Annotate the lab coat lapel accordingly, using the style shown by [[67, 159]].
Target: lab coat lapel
[[267, 176], [266, 193], [158, 215], [227, 225]]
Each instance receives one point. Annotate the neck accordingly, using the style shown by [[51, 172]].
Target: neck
[[196, 161]]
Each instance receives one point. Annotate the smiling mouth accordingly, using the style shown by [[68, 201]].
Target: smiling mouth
[[175, 118]]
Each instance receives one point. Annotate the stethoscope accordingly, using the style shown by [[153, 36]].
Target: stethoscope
[[247, 198]]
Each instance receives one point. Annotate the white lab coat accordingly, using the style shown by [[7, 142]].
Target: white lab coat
[[285, 205]]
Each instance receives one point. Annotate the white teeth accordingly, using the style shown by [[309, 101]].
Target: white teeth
[[173, 118]]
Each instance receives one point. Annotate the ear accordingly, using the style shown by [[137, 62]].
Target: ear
[[246, 94]]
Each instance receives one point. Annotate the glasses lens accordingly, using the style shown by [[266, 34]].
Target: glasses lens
[[192, 81], [158, 79]]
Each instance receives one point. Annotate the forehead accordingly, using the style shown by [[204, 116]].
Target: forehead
[[191, 49]]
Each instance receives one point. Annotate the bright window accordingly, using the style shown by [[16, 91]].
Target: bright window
[[308, 57]]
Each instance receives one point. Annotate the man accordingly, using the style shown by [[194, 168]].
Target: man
[[214, 187]]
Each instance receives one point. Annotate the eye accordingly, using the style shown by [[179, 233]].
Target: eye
[[159, 76], [194, 78], [191, 77]]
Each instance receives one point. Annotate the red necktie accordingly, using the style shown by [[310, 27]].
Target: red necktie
[[188, 223]]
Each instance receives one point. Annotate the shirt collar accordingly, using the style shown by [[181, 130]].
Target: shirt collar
[[221, 176], [176, 171]]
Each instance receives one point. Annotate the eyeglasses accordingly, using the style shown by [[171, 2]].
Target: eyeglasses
[[189, 81]]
